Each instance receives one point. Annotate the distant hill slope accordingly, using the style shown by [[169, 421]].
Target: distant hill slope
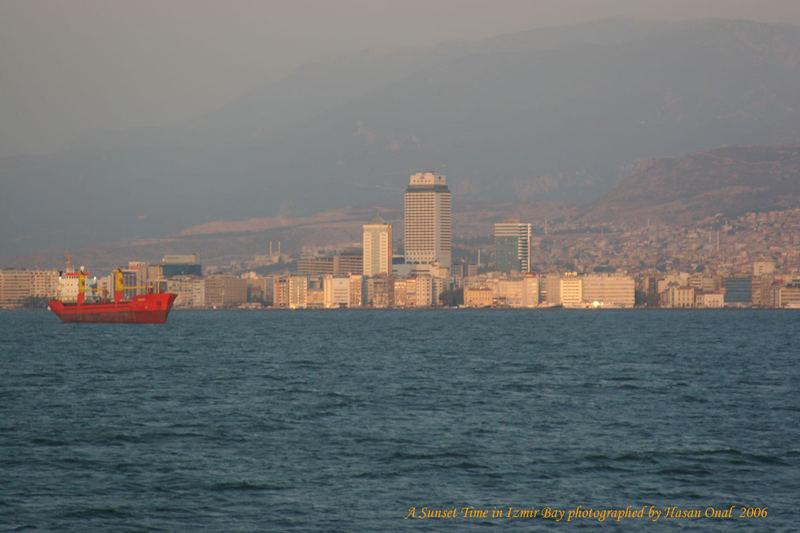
[[730, 181], [545, 115]]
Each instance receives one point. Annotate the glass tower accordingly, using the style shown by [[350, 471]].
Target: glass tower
[[512, 244]]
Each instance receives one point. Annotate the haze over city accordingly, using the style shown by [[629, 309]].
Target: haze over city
[[75, 69], [124, 122]]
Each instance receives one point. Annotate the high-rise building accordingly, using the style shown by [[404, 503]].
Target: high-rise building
[[377, 248], [512, 244], [427, 220]]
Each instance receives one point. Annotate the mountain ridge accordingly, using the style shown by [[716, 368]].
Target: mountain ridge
[[729, 181]]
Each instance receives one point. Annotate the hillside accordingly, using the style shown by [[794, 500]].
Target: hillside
[[730, 181], [676, 190], [222, 242]]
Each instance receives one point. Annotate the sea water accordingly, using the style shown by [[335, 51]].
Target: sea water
[[402, 420]]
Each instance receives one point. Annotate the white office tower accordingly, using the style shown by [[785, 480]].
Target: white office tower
[[427, 220], [377, 248]]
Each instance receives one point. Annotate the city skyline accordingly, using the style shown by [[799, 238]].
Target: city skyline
[[369, 277]]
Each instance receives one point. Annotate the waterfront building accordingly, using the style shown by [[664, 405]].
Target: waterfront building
[[427, 225], [419, 291], [256, 287], [438, 286], [550, 289], [509, 293], [512, 241], [788, 296], [268, 288], [337, 291], [356, 290], [676, 296], [478, 297], [609, 291], [377, 257], [298, 292], [225, 291], [315, 297], [399, 291], [44, 283], [15, 286], [680, 279], [709, 300], [571, 290], [280, 293], [379, 292], [738, 291], [530, 291], [760, 290], [190, 290]]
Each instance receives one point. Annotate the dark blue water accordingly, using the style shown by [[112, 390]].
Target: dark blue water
[[343, 421]]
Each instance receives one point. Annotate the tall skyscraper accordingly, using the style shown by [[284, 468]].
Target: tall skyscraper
[[512, 245], [377, 248], [427, 220]]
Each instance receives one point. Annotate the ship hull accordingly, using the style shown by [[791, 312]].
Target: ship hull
[[143, 309]]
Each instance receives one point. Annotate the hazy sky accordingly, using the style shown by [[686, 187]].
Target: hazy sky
[[72, 66]]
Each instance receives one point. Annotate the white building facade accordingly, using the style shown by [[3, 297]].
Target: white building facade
[[427, 220], [377, 248]]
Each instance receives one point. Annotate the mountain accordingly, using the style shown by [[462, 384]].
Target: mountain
[[675, 190], [546, 115], [730, 181]]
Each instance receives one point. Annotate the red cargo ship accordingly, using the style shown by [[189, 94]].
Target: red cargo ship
[[151, 308]]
